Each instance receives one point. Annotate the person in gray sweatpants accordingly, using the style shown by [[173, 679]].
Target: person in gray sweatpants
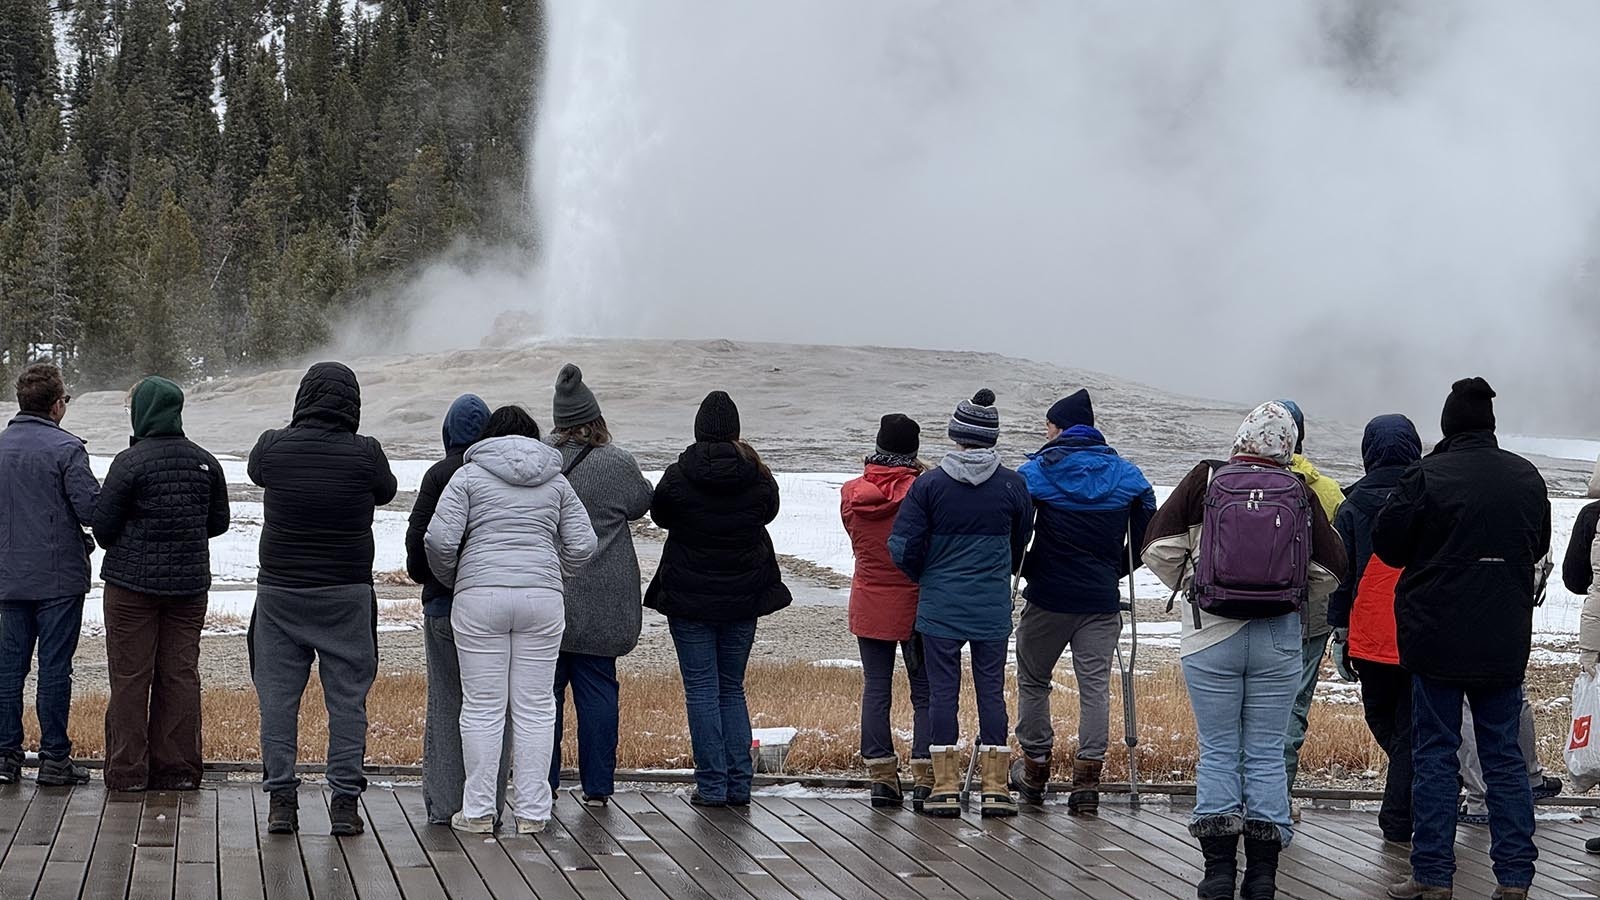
[[1475, 811], [322, 482]]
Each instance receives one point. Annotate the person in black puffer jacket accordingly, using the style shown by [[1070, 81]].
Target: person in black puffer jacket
[[718, 574], [163, 500], [322, 482]]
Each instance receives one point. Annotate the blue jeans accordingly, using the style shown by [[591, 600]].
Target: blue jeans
[[1243, 691], [877, 696], [593, 680], [712, 657], [53, 626], [1436, 733], [942, 659]]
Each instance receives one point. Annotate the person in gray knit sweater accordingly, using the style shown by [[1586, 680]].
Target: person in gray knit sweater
[[604, 615]]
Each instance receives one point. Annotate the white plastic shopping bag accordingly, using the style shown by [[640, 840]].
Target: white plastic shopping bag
[[1583, 745]]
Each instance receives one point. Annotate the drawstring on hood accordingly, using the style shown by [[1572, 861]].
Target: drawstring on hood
[[517, 460], [464, 422], [974, 466], [157, 409]]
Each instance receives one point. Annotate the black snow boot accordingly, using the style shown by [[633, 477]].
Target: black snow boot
[[345, 815], [1222, 867], [10, 768], [1262, 844], [61, 772], [283, 816]]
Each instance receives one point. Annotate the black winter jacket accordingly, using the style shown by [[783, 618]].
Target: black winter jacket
[[1577, 569], [1467, 524], [322, 482], [435, 596], [164, 499], [718, 564]]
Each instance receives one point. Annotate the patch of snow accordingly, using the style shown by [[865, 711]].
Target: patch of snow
[[837, 663], [774, 737], [1552, 448]]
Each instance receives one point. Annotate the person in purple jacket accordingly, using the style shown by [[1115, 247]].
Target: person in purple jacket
[[47, 499]]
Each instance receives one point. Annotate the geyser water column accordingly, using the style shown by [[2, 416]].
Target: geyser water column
[[1396, 188]]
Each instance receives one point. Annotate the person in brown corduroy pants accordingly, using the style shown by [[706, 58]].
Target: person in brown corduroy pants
[[164, 499]]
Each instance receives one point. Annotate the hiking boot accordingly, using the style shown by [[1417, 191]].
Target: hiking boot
[[885, 776], [283, 816], [597, 801], [944, 798], [1549, 786], [994, 762], [61, 772], [345, 814], [10, 769], [1262, 844], [1222, 867], [530, 826], [1592, 845], [922, 783], [1030, 778], [483, 825], [1085, 796], [697, 800], [1510, 893], [1411, 889]]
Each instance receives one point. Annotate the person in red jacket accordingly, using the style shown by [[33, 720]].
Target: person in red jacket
[[883, 611]]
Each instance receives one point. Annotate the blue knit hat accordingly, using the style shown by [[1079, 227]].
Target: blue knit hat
[[1073, 409], [1299, 424], [976, 423]]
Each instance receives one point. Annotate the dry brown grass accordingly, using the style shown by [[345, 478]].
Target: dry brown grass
[[823, 703]]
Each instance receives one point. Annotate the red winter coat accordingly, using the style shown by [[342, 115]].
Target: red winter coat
[[883, 601]]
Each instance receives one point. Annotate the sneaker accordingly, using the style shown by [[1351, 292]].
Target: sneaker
[[598, 801], [1294, 811], [61, 772], [1471, 818], [10, 769], [530, 826], [283, 817], [345, 816], [465, 825], [708, 802], [1550, 787]]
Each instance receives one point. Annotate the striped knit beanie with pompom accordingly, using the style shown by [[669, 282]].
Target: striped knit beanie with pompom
[[976, 422]]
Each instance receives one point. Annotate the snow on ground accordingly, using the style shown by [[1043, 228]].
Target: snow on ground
[[1552, 448]]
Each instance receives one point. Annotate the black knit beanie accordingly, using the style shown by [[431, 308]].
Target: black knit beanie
[[898, 435], [1073, 409], [718, 419], [1470, 407]]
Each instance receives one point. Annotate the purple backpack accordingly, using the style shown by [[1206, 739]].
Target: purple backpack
[[1255, 543]]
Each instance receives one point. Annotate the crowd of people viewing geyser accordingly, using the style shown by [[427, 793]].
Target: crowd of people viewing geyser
[[1422, 575]]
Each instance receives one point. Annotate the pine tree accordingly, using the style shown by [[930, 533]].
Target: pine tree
[[27, 52]]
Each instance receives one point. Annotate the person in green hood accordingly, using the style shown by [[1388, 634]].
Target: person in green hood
[[164, 499]]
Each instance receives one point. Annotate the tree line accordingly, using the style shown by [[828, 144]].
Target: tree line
[[195, 187]]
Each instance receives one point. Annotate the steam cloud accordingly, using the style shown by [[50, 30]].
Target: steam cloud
[[1349, 202]]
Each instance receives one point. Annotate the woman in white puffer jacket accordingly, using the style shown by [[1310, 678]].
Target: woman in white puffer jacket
[[506, 530]]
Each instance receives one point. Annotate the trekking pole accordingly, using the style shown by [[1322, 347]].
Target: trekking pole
[[1130, 716]]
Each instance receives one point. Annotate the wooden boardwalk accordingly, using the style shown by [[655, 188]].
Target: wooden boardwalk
[[61, 843]]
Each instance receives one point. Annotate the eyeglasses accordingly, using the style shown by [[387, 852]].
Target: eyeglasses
[[65, 399]]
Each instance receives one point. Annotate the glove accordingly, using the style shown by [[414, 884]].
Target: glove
[[1341, 655]]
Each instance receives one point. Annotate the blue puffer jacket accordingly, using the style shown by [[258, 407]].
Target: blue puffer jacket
[[960, 535], [1086, 496], [47, 498]]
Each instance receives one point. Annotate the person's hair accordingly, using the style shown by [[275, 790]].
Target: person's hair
[[509, 421], [594, 433], [749, 452], [39, 387]]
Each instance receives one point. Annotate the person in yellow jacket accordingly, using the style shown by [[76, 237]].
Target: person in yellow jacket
[[1315, 627]]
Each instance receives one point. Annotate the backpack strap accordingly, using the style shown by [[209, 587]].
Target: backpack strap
[[582, 454]]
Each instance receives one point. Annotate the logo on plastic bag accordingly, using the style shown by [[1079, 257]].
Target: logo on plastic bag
[[1580, 733]]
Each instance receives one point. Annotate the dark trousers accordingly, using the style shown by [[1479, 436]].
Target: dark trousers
[[1436, 725], [942, 657], [153, 716], [1386, 698], [712, 657], [877, 697], [52, 626], [593, 680]]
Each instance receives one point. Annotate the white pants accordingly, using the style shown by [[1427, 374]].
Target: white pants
[[508, 640]]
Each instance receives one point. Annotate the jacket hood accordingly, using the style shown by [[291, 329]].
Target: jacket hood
[[973, 466], [464, 422], [1390, 441], [518, 460], [1305, 468], [718, 465], [884, 488], [1079, 468], [157, 409], [329, 395]]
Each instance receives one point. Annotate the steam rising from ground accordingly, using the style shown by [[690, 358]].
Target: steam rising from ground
[[1351, 202]]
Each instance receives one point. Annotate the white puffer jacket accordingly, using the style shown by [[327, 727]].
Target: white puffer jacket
[[509, 518]]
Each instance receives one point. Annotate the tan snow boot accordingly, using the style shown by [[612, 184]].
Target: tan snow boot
[[944, 800], [921, 782], [1085, 796], [995, 761], [885, 776]]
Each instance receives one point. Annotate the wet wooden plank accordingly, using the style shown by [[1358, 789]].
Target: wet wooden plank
[[111, 862], [456, 872], [688, 858], [238, 849], [642, 854], [736, 844], [327, 873], [30, 846], [68, 865], [369, 869], [928, 877], [14, 802], [197, 827], [924, 840], [283, 875], [874, 871]]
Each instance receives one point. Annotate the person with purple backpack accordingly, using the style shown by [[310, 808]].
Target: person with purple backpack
[[1247, 544]]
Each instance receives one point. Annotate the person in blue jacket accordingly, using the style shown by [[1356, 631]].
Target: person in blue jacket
[[960, 535], [1089, 503]]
